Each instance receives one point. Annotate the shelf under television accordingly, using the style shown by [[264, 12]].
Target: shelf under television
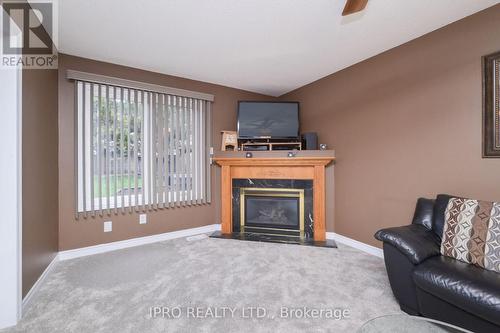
[[269, 145]]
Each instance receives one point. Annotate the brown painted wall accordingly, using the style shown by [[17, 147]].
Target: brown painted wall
[[405, 124], [79, 233], [40, 176]]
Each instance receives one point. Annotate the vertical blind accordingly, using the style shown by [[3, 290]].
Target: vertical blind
[[139, 150]]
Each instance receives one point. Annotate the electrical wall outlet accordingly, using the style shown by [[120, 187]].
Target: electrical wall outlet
[[143, 219], [108, 226]]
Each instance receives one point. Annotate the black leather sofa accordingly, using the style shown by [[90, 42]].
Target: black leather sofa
[[425, 283]]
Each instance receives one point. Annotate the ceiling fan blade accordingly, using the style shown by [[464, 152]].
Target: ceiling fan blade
[[354, 6]]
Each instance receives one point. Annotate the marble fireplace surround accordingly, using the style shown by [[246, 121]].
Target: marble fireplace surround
[[276, 170]]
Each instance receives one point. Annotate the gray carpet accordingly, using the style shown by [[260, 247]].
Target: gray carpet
[[114, 292]]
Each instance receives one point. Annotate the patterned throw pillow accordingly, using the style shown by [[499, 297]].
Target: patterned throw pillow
[[472, 232]]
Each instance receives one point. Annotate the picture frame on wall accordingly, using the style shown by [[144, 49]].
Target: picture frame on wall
[[491, 105]]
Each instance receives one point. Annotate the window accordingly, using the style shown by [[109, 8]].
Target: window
[[139, 149]]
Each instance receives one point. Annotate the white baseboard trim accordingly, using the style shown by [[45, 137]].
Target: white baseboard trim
[[356, 244], [102, 248], [34, 288]]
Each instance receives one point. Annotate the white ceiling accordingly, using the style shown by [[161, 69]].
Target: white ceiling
[[266, 46]]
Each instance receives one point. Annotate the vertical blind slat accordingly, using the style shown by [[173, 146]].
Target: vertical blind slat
[[155, 150], [84, 152], [163, 148], [171, 161], [179, 150], [77, 170], [99, 145], [92, 149], [208, 152], [201, 150], [144, 150], [143, 199], [164, 151], [150, 138], [122, 150], [115, 147], [129, 152], [195, 152], [183, 151], [159, 154], [159, 167], [175, 163], [136, 150], [189, 153], [204, 145], [186, 151], [87, 142], [147, 162], [107, 154]]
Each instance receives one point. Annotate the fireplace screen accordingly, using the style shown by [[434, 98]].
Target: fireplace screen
[[272, 208]]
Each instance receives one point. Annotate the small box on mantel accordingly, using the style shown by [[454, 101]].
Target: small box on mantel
[[229, 141]]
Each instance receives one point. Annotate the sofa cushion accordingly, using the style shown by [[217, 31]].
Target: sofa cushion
[[472, 232], [468, 287]]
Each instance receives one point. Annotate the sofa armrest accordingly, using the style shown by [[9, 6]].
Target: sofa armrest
[[424, 212], [415, 241]]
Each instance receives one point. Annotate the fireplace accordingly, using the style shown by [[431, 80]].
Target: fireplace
[[273, 198], [272, 211]]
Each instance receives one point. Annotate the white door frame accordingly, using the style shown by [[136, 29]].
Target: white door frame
[[11, 196]]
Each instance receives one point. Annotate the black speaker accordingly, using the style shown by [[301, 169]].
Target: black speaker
[[310, 141]]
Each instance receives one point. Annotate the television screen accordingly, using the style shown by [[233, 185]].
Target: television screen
[[278, 120]]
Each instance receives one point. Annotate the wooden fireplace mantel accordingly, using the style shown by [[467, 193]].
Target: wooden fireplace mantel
[[306, 167]]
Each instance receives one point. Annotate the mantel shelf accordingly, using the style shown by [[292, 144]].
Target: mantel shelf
[[273, 161]]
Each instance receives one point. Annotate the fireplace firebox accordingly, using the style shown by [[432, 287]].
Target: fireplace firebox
[[273, 211]]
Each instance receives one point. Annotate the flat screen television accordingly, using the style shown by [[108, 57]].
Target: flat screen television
[[268, 120]]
